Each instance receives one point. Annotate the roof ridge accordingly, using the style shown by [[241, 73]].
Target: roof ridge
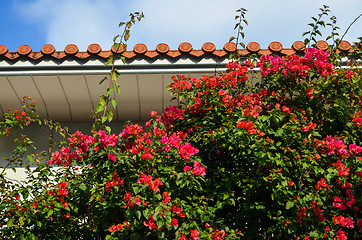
[[161, 49]]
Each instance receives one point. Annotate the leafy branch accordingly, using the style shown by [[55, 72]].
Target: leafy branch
[[104, 100], [239, 26], [315, 27]]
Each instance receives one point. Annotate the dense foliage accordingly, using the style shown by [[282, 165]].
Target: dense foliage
[[279, 158]]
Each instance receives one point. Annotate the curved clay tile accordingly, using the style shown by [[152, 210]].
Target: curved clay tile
[[162, 48], [287, 51], [208, 47], [253, 47], [59, 55], [3, 49], [82, 55], [71, 49], [35, 55], [322, 45], [219, 53], [140, 48], [12, 55], [275, 46], [230, 47], [94, 48], [265, 51], [174, 53], [47, 49], [298, 46], [105, 54], [345, 46], [24, 50], [120, 49], [129, 54], [197, 53], [151, 54], [185, 47]]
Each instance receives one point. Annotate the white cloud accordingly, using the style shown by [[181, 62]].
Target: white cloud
[[83, 22]]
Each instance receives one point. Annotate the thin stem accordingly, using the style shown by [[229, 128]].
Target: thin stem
[[350, 25]]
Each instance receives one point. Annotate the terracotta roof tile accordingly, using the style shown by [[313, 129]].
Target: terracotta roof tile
[[208, 47], [174, 53], [71, 49], [48, 50], [323, 45], [82, 55], [253, 47], [94, 49], [275, 46], [220, 53], [151, 54], [162, 48], [185, 47], [105, 54], [140, 48], [3, 49], [197, 53], [36, 55], [298, 46]]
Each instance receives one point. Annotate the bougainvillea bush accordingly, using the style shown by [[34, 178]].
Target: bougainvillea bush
[[283, 156], [278, 159]]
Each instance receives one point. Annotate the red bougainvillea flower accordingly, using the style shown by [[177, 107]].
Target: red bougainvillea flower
[[174, 222], [166, 198], [286, 110], [321, 183], [194, 234], [309, 93]]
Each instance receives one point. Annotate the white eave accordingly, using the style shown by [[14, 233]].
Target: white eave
[[68, 90]]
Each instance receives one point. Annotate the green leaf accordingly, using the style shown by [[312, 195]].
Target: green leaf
[[103, 100], [108, 129], [138, 214], [289, 205], [118, 89], [127, 35], [110, 91], [10, 222], [114, 103], [104, 119], [279, 132], [82, 186], [115, 38], [50, 212], [30, 159], [147, 213], [109, 115], [123, 58], [103, 79], [100, 108]]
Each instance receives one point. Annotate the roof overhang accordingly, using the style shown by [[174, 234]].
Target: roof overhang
[[69, 90], [65, 84]]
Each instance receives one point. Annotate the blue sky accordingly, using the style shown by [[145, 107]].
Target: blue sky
[[83, 22]]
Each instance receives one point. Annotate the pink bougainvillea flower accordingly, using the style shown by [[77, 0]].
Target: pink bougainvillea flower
[[194, 234], [198, 169], [187, 168]]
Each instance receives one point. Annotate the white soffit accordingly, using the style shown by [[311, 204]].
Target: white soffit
[[69, 90]]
